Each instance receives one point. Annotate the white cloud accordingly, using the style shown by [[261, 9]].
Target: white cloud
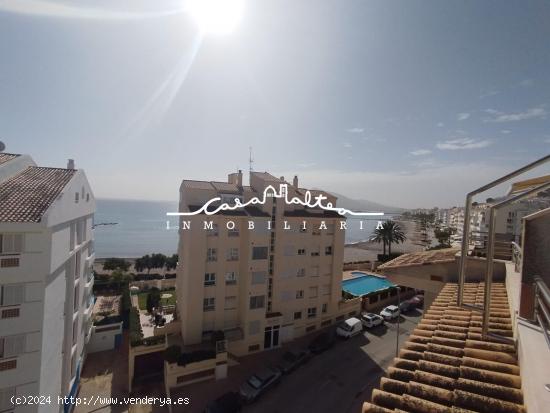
[[463, 116], [505, 131], [532, 113], [355, 130], [463, 143], [420, 152], [440, 125], [347, 145]]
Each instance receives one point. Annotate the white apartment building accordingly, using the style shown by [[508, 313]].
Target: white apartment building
[[46, 256], [262, 286]]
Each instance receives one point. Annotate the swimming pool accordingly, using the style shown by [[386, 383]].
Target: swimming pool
[[364, 283]]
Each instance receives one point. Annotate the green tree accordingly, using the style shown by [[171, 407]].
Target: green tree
[[389, 233], [172, 262], [118, 277], [443, 236], [153, 299], [158, 260], [112, 264]]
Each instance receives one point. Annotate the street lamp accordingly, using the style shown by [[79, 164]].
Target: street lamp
[[398, 319]]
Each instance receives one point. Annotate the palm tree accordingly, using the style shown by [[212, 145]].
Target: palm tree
[[389, 233]]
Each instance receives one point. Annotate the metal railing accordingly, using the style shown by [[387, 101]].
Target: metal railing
[[486, 308], [517, 256], [542, 306]]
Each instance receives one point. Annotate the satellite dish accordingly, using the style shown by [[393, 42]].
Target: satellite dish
[[2, 146]]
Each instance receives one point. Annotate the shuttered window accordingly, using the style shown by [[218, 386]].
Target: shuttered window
[[12, 346], [11, 243], [12, 294]]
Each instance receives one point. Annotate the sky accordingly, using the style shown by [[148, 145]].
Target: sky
[[407, 103]]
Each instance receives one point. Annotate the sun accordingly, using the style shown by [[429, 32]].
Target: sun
[[216, 16]]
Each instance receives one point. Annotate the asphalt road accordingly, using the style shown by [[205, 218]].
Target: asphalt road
[[340, 379]]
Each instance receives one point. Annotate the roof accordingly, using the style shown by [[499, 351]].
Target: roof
[[522, 186], [107, 305], [5, 157], [226, 187], [26, 197], [308, 213], [446, 365], [191, 184], [265, 176], [249, 210], [422, 258]]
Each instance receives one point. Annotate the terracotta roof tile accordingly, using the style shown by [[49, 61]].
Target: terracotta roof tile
[[26, 197], [446, 366], [5, 157], [422, 258]]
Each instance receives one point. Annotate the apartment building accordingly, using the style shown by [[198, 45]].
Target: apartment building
[[265, 273], [46, 256]]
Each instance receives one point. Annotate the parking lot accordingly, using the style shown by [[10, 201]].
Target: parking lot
[[339, 379]]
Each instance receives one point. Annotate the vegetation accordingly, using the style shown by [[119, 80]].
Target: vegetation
[[144, 301], [389, 233], [443, 236], [112, 264], [148, 262]]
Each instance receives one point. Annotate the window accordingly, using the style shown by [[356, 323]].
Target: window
[[75, 331], [12, 346], [258, 277], [11, 243], [12, 294], [230, 303], [301, 272], [299, 294], [324, 308], [209, 304], [298, 315], [257, 301], [211, 254], [233, 254], [9, 262], [301, 251], [325, 289], [312, 312], [313, 292], [328, 250], [211, 231], [233, 232], [75, 298], [209, 279], [10, 313], [230, 278], [259, 253], [315, 252], [314, 271], [254, 327]]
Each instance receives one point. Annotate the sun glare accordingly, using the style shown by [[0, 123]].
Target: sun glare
[[216, 16]]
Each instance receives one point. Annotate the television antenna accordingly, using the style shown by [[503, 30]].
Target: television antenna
[[2, 146], [250, 159]]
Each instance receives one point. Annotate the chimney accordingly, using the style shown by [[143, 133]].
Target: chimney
[[70, 164], [295, 181], [236, 178], [240, 178], [282, 178]]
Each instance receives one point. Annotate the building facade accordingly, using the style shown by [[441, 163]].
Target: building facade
[[46, 256], [265, 273]]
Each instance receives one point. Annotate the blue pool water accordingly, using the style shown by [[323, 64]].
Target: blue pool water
[[364, 283]]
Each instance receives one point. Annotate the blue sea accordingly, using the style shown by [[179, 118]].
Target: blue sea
[[141, 228]]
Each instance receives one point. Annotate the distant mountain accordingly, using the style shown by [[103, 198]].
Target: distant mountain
[[363, 205]]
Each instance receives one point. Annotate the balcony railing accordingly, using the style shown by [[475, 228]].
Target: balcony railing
[[516, 256], [542, 307]]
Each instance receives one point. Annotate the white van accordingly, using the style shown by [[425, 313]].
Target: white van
[[349, 328]]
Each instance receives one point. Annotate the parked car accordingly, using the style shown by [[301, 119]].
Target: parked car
[[259, 383], [294, 359], [349, 328], [228, 403], [418, 299], [390, 312], [370, 320], [407, 305], [322, 342]]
